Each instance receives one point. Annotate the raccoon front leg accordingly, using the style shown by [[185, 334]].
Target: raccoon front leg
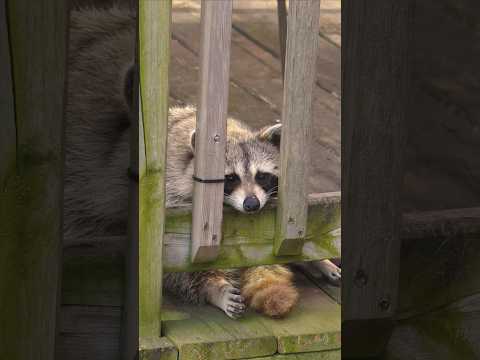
[[269, 289], [331, 271], [216, 287]]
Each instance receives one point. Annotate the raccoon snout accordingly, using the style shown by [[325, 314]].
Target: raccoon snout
[[251, 203]]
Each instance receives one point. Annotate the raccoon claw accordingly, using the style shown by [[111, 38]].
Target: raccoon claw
[[234, 304]]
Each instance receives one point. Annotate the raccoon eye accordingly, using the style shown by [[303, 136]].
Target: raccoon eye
[[231, 181], [267, 181]]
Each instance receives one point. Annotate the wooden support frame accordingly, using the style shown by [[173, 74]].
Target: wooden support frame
[[33, 52], [154, 59], [300, 67], [210, 134], [375, 83], [248, 240]]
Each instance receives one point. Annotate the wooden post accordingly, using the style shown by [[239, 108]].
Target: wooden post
[[154, 55], [32, 71], [210, 134], [375, 87], [300, 70]]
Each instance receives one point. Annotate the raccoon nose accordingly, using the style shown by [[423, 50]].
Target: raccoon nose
[[251, 203]]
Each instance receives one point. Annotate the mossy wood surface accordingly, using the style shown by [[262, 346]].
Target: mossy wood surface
[[248, 239], [32, 77], [157, 348], [318, 355], [154, 55], [208, 333]]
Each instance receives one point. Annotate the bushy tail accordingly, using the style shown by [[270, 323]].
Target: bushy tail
[[269, 290]]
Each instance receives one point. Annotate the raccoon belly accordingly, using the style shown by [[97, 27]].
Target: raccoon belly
[[269, 289], [193, 287]]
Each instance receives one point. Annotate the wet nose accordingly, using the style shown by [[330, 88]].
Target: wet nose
[[251, 203]]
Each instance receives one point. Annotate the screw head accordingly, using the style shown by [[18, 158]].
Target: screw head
[[216, 138], [361, 278], [384, 304]]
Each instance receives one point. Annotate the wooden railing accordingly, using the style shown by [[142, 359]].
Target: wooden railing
[[206, 236]]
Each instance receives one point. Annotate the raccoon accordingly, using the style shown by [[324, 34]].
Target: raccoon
[[98, 119]]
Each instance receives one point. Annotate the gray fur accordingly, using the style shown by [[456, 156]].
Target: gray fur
[[97, 145], [97, 122]]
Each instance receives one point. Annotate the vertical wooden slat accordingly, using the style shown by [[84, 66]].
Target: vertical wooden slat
[[375, 87], [210, 135], [32, 64], [301, 54], [154, 59]]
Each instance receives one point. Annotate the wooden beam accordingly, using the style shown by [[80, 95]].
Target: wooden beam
[[248, 240], [33, 51], [300, 66], [154, 55], [282, 31], [210, 134], [375, 83]]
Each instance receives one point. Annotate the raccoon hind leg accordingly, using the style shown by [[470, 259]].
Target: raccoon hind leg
[[269, 289]]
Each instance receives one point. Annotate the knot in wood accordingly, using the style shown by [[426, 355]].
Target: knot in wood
[[361, 278]]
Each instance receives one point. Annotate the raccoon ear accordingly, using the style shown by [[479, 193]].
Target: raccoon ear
[[192, 141], [271, 133]]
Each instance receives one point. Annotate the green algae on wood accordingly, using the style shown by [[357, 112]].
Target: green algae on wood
[[157, 348], [248, 240]]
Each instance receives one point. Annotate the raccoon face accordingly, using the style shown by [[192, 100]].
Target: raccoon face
[[251, 170]]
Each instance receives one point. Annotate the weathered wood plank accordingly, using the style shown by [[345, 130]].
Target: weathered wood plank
[[33, 58], [301, 57], [248, 240], [154, 47], [158, 348], [374, 102], [441, 223], [211, 128], [317, 355], [313, 324]]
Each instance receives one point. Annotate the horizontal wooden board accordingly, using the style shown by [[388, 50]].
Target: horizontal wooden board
[[158, 348], [317, 355], [248, 240], [313, 325]]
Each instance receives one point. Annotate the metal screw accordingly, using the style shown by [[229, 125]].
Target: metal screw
[[214, 237], [361, 278], [216, 138], [300, 232], [291, 220]]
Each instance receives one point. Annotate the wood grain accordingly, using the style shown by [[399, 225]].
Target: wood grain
[[154, 47], [211, 128], [375, 81], [300, 65], [32, 67]]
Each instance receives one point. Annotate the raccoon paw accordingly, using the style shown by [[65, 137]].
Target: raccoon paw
[[233, 303], [331, 271]]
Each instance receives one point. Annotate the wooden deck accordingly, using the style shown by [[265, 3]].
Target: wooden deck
[[92, 290]]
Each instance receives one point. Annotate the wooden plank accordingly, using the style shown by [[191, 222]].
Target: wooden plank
[[313, 324], [301, 54], [209, 334], [211, 128], [374, 103], [154, 50], [159, 348], [248, 240], [282, 31], [33, 51], [317, 355], [441, 223], [88, 346]]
